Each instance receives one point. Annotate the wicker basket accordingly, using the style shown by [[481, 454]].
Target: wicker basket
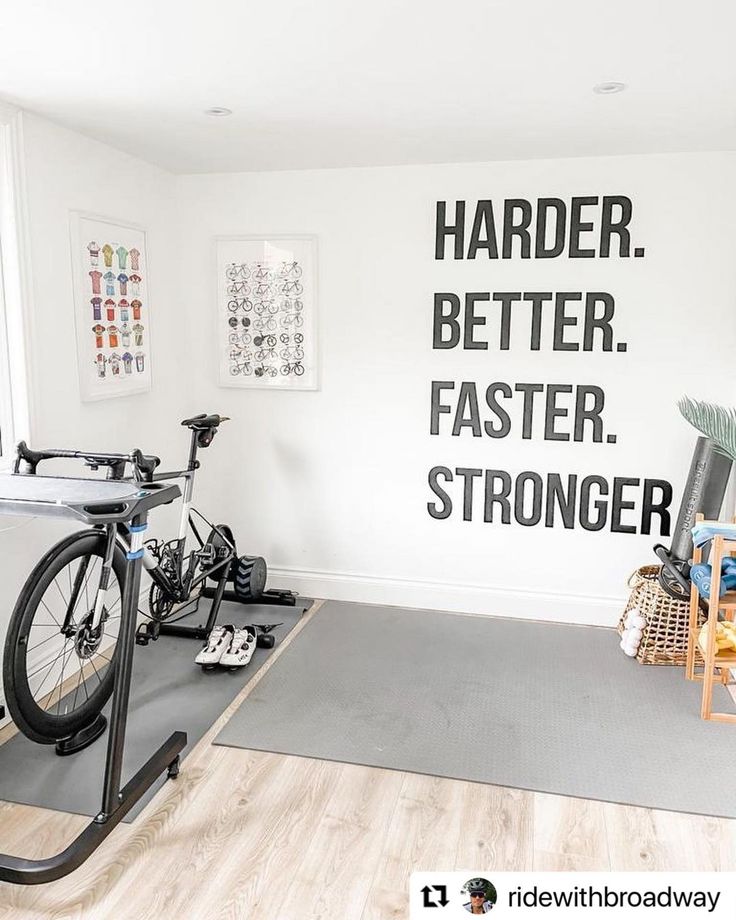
[[664, 640]]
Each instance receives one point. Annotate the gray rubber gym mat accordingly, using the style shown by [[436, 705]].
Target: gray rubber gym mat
[[540, 706], [168, 693]]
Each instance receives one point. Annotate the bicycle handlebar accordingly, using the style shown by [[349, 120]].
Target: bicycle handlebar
[[142, 464], [203, 427]]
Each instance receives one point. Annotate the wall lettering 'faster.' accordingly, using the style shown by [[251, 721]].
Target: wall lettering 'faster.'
[[585, 227]]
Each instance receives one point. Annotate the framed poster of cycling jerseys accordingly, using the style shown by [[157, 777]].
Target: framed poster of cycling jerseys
[[267, 312], [112, 309]]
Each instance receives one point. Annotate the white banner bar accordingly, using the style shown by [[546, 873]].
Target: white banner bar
[[455, 895]]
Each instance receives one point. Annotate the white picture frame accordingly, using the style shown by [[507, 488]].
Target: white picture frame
[[112, 311], [267, 330]]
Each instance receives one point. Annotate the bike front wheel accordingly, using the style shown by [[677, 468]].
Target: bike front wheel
[[58, 668]]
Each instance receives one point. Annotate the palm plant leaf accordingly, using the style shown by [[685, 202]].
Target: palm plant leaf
[[716, 422]]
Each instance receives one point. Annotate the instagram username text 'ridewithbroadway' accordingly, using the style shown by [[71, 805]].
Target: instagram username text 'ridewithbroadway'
[[610, 896]]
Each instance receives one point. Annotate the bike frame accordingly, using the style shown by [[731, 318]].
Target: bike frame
[[177, 589], [180, 589]]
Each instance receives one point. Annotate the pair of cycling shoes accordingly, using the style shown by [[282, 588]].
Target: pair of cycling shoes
[[701, 576], [228, 647]]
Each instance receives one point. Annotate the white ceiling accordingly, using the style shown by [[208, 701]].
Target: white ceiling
[[326, 83]]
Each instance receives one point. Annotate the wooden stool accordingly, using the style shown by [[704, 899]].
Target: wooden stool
[[712, 660]]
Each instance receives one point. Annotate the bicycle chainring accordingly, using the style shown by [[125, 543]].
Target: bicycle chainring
[[159, 604]]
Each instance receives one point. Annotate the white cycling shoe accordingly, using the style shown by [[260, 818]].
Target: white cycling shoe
[[241, 649], [218, 642]]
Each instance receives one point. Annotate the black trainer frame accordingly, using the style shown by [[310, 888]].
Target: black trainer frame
[[107, 503]]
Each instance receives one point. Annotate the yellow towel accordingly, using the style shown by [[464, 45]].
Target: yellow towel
[[725, 637]]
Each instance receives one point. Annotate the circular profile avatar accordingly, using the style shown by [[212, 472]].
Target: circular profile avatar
[[482, 896]]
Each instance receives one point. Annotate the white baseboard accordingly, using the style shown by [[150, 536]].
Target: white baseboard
[[476, 599]]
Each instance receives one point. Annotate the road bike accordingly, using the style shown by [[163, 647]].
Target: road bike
[[286, 337], [239, 288], [240, 303], [265, 354], [237, 272], [291, 352], [265, 370], [261, 272], [240, 353], [289, 288], [290, 270], [61, 645], [292, 319], [263, 290]]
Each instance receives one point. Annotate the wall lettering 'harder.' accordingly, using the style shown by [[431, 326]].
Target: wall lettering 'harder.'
[[586, 227]]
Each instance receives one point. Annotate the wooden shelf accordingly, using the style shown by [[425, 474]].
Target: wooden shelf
[[722, 661]]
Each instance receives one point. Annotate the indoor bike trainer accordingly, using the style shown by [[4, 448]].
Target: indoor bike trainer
[[117, 508], [177, 584]]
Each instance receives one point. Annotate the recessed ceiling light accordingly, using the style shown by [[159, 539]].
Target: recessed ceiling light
[[218, 111], [605, 89]]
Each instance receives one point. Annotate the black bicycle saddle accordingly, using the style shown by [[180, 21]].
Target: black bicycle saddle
[[203, 422]]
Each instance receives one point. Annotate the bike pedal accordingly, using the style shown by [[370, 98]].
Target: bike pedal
[[147, 632]]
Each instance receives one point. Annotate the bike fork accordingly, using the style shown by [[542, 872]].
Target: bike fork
[[104, 577]]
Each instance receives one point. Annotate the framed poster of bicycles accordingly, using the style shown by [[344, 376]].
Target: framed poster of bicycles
[[267, 312], [111, 307]]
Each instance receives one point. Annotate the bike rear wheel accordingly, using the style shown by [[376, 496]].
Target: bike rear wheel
[[57, 669]]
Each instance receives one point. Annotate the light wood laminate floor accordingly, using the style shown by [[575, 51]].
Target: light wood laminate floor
[[258, 836]]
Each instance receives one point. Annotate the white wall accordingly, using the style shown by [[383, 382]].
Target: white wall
[[332, 486], [65, 171]]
